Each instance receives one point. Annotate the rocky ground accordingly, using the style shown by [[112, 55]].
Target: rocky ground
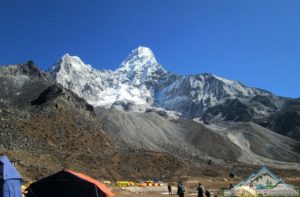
[[213, 184]]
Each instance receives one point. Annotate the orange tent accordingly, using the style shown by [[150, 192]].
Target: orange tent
[[100, 185], [68, 183]]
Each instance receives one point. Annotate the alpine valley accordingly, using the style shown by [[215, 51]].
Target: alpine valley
[[141, 121]]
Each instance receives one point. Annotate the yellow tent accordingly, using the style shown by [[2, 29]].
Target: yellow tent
[[124, 183]]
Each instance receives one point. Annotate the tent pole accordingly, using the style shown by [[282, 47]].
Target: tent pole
[[96, 191]]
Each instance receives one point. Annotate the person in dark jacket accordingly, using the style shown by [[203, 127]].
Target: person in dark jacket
[[180, 189], [170, 189], [200, 190]]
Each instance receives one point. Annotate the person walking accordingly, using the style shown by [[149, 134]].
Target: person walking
[[180, 189], [170, 189], [201, 190]]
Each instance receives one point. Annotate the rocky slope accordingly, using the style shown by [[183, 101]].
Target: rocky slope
[[47, 128], [195, 141]]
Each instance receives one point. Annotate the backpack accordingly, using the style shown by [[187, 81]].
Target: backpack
[[207, 193], [181, 189]]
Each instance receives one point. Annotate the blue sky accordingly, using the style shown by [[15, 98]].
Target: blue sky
[[256, 42]]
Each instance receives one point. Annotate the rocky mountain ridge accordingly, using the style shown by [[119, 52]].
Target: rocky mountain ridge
[[141, 84], [142, 81]]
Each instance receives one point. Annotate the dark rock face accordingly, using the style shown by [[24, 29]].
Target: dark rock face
[[66, 97], [278, 114], [286, 121], [264, 100], [29, 69], [231, 110], [159, 112], [47, 95], [20, 84]]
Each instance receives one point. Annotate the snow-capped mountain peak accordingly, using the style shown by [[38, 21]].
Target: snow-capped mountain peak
[[72, 73], [75, 62], [143, 52], [140, 54], [141, 82], [68, 64], [140, 59]]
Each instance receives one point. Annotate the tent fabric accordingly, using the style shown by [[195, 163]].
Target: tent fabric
[[10, 179], [12, 188], [101, 186], [7, 170], [68, 183]]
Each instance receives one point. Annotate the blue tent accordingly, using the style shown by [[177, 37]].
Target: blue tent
[[10, 179]]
